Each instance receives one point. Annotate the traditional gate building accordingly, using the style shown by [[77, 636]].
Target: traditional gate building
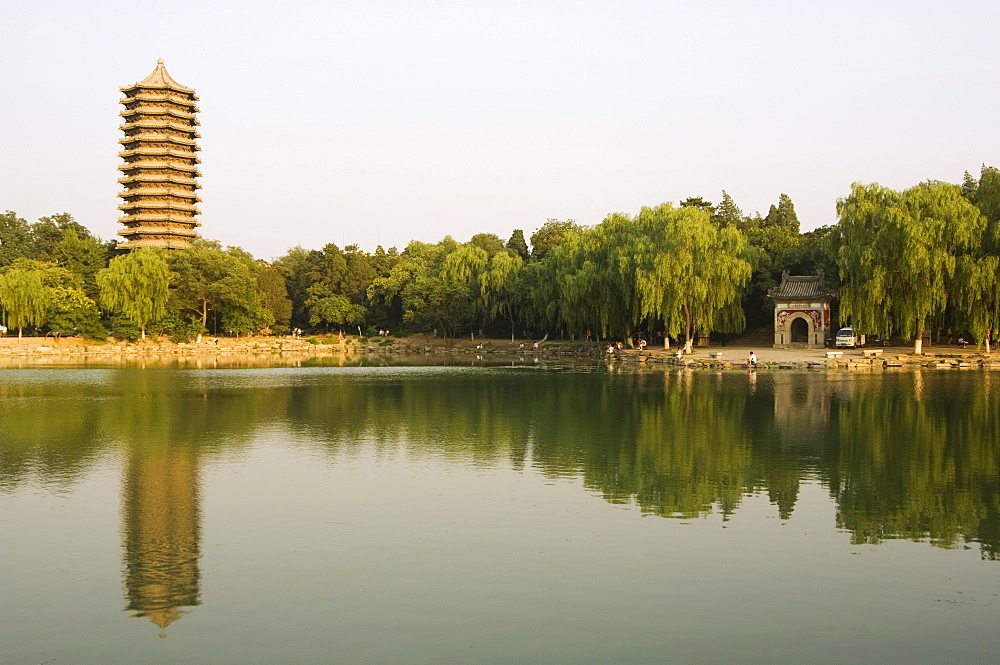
[[801, 312], [161, 161]]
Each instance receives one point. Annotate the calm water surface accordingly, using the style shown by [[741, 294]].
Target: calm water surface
[[498, 515]]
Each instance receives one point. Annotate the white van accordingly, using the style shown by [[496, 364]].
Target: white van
[[846, 338]]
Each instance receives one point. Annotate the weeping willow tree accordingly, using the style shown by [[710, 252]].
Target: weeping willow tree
[[897, 255], [464, 266], [977, 272], [594, 270], [690, 271], [498, 286], [23, 295], [489, 278], [135, 286]]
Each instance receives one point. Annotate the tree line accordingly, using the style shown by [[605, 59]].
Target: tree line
[[905, 263]]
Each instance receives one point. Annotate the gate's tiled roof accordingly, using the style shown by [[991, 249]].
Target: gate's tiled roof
[[801, 287]]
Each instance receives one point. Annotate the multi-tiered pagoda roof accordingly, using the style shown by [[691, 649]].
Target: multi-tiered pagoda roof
[[160, 154]]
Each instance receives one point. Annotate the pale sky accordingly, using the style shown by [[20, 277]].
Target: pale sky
[[388, 121]]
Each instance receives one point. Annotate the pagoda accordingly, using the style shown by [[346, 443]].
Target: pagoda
[[161, 161]]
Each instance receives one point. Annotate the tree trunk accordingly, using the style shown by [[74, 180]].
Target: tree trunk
[[688, 339], [918, 344]]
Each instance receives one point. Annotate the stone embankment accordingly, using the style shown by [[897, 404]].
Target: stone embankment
[[230, 351], [266, 351], [867, 359]]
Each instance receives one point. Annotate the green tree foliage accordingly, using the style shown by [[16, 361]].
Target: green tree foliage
[[242, 306], [594, 270], [518, 244], [692, 273], [772, 240], [15, 238], [23, 295], [536, 289], [499, 284], [359, 273], [274, 291], [783, 216], [727, 213], [897, 253], [612, 278], [488, 277], [196, 281], [71, 311], [327, 270], [814, 253], [488, 242], [295, 266], [778, 233], [83, 255], [135, 285], [437, 298], [48, 297], [433, 301], [383, 313], [386, 290], [670, 264], [430, 295], [332, 273], [48, 233], [551, 234], [205, 279], [977, 271], [464, 267], [57, 239], [698, 202], [336, 309]]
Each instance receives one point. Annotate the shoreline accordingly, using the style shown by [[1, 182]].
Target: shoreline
[[286, 351]]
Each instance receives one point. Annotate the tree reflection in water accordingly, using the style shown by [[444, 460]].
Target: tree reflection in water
[[904, 455]]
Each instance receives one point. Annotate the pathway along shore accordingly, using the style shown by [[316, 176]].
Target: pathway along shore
[[268, 351]]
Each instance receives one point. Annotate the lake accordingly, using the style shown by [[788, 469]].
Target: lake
[[507, 514]]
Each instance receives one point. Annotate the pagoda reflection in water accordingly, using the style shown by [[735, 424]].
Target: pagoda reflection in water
[[162, 532]]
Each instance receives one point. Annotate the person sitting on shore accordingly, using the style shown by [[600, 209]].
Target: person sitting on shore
[[752, 360]]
